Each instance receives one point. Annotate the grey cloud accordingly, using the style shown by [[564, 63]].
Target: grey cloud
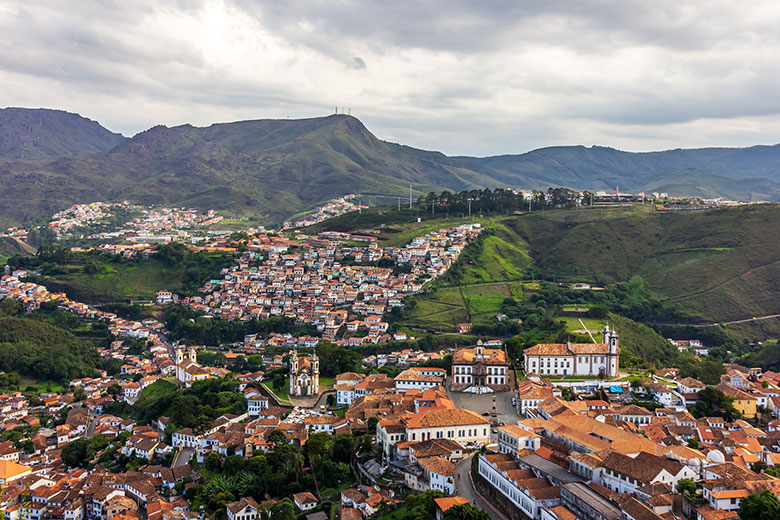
[[358, 63], [478, 77]]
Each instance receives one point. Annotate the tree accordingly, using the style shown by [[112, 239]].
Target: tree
[[213, 463], [11, 307], [465, 512], [712, 402], [91, 267], [422, 506], [113, 366], [686, 486], [277, 438], [114, 389], [343, 447], [319, 447], [283, 510], [79, 395], [81, 451], [760, 506], [371, 424], [598, 311]]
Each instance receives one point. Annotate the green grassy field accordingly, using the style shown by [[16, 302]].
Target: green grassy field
[[281, 394], [10, 247], [40, 386], [443, 309], [395, 229], [573, 324], [718, 264], [118, 281], [504, 256], [398, 235], [440, 311], [483, 283], [233, 224]]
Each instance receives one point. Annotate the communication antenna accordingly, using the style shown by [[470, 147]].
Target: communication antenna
[[349, 111]]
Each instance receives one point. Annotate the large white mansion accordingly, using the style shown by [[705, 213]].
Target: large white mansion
[[575, 359], [480, 370]]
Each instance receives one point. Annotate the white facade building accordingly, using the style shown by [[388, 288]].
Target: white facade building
[[575, 359]]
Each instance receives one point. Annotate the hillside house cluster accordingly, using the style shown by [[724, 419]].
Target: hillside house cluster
[[319, 287], [594, 459]]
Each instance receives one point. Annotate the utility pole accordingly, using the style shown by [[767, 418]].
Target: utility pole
[[469, 208], [399, 204], [410, 196]]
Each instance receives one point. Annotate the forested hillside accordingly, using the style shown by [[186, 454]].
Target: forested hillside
[[43, 351]]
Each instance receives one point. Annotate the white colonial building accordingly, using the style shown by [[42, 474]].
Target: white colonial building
[[576, 359], [304, 375], [187, 368], [480, 370]]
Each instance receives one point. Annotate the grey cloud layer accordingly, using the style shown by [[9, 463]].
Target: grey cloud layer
[[479, 77]]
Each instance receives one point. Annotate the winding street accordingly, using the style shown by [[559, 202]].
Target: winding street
[[465, 488]]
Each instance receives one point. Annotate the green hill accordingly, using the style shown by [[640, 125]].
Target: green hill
[[720, 265], [99, 279], [10, 247], [273, 169], [640, 343], [43, 351], [40, 133]]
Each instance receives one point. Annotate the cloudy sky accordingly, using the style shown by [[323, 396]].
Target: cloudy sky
[[479, 78]]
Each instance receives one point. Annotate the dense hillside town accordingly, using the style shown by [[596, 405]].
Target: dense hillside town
[[289, 386]]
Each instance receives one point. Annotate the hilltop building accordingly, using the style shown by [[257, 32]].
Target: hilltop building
[[304, 375], [480, 370], [187, 368], [576, 359]]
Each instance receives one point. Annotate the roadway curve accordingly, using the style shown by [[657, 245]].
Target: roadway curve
[[464, 487]]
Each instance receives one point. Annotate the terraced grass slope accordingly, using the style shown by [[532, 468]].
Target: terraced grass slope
[[720, 264], [503, 256], [476, 287]]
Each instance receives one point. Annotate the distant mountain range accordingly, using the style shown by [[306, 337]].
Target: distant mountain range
[[41, 133], [275, 168]]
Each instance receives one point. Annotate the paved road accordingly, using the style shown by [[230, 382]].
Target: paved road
[[91, 425], [464, 488], [481, 403], [183, 457], [717, 323]]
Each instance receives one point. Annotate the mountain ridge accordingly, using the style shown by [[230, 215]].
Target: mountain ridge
[[273, 168], [40, 133]]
